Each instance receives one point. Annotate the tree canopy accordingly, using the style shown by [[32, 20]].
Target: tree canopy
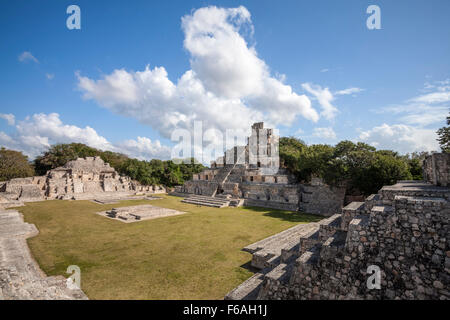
[[358, 166], [14, 164], [444, 136], [151, 172]]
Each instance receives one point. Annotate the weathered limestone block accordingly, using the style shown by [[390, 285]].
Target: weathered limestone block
[[30, 192]]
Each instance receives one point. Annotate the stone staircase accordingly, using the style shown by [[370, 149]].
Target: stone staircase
[[20, 276], [222, 176], [293, 262], [199, 200], [278, 248]]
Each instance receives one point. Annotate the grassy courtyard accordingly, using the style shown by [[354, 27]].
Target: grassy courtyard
[[196, 255]]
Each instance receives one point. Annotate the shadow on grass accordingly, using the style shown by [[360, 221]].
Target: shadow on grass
[[291, 216], [248, 266]]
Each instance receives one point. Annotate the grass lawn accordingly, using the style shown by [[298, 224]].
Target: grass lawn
[[196, 255]]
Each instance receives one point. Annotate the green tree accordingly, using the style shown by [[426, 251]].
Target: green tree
[[359, 166], [59, 154], [14, 164], [444, 137]]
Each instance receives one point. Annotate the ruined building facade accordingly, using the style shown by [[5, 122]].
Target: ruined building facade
[[251, 175], [84, 178]]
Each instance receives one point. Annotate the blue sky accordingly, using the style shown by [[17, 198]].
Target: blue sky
[[312, 69]]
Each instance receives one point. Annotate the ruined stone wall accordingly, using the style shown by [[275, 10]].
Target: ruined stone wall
[[271, 204], [90, 176], [436, 169], [388, 193], [283, 193], [199, 187], [319, 198], [409, 244]]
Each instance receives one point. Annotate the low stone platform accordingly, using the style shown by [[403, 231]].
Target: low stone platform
[[199, 200], [20, 276], [139, 213], [113, 200]]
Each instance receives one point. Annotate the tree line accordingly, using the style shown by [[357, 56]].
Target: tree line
[[14, 164], [358, 166]]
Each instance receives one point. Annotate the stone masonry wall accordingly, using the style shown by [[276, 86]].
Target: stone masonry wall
[[321, 199], [436, 169], [408, 242]]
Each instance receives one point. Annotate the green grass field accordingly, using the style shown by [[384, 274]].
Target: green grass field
[[196, 255]]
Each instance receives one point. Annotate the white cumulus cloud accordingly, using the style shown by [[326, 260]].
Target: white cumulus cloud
[[425, 109], [144, 149], [37, 133], [324, 96], [10, 118], [401, 138], [227, 87], [325, 133]]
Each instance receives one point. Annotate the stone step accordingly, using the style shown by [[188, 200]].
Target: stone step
[[359, 222], [383, 210], [357, 233], [307, 243], [276, 238], [248, 290], [412, 189], [268, 252], [203, 203], [237, 202], [220, 202], [329, 226], [308, 259], [350, 211], [265, 259], [209, 199], [281, 273], [423, 201], [333, 245], [371, 201]]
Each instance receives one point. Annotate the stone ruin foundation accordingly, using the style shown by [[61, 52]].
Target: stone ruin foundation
[[403, 231], [81, 179], [139, 213]]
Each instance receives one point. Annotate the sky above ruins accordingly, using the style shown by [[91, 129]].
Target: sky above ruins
[[135, 72]]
